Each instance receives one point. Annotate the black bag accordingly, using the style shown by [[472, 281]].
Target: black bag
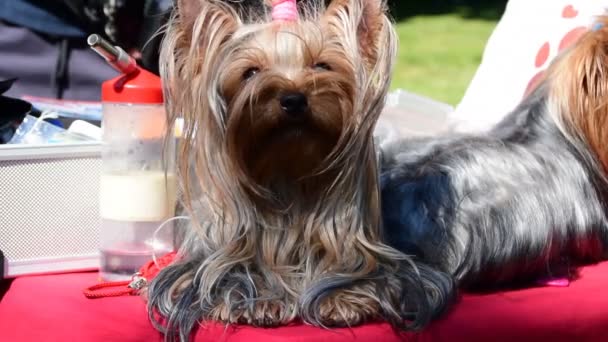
[[12, 112]]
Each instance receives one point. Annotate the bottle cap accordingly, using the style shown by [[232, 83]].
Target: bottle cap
[[139, 86]]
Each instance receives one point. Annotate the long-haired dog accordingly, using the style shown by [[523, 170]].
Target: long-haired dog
[[279, 174], [527, 200]]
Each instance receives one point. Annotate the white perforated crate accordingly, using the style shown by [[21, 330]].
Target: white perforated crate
[[49, 212]]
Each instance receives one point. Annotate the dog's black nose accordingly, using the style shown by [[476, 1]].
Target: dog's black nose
[[294, 103]]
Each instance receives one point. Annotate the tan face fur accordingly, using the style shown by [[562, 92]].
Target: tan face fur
[[289, 95]]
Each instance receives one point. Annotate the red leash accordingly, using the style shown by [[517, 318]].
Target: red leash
[[133, 286]]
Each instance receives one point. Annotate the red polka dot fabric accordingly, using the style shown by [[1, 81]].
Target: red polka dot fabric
[[542, 60], [526, 40]]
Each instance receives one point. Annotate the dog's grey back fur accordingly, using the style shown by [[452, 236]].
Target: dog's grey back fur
[[516, 203]]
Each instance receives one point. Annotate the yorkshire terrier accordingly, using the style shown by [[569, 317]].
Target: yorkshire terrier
[[528, 200], [278, 170]]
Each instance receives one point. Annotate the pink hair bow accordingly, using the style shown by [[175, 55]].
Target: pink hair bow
[[284, 10]]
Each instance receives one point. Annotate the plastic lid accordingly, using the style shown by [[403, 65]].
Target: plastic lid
[[140, 86]]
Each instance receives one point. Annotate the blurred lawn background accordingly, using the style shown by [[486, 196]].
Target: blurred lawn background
[[441, 44]]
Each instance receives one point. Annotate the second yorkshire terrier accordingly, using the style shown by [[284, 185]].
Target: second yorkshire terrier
[[278, 170], [529, 199]]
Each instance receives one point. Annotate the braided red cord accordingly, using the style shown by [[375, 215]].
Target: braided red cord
[[110, 289], [122, 288]]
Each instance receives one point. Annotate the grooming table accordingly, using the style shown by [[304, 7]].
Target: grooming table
[[53, 308]]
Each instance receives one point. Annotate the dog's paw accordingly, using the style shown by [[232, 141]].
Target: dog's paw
[[260, 314], [347, 309]]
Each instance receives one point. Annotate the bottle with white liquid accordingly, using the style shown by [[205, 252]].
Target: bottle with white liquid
[[138, 184]]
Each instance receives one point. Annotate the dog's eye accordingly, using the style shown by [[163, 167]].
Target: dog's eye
[[249, 73], [322, 66]]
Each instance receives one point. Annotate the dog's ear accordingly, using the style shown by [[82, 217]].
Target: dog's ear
[[364, 21], [206, 15]]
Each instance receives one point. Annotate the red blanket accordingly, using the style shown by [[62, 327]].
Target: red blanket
[[53, 308]]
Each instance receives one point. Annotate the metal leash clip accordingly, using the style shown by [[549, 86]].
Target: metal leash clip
[[138, 282]]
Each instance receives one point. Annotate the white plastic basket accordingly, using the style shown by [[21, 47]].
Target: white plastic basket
[[49, 215]]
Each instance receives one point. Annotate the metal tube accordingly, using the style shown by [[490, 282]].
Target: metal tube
[[114, 55], [103, 47]]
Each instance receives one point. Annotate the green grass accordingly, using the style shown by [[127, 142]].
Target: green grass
[[439, 54]]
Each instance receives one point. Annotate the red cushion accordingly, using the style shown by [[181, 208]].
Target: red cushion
[[52, 308]]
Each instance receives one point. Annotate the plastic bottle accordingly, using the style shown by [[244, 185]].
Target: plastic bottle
[[138, 184]]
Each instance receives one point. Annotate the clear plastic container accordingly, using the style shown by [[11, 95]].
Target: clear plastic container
[[137, 188], [410, 115]]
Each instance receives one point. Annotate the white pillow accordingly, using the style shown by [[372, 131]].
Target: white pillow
[[529, 35]]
